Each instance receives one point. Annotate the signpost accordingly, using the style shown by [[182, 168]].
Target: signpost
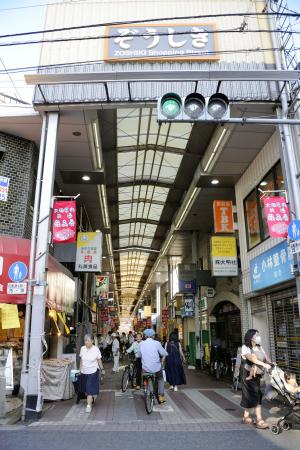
[[294, 230]]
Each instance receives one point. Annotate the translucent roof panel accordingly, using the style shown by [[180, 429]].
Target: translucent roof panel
[[148, 157]]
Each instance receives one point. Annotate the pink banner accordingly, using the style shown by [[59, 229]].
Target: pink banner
[[64, 221], [277, 216]]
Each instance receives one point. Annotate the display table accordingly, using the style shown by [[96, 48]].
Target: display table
[[56, 379]]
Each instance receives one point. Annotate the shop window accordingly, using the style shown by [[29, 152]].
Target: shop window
[[255, 219], [252, 220]]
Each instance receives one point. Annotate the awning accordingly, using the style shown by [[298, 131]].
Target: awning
[[14, 263]]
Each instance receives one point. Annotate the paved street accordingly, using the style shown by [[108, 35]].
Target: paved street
[[205, 414]]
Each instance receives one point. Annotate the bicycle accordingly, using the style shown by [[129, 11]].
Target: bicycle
[[150, 390], [129, 374]]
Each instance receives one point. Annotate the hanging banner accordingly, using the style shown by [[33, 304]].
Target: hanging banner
[[147, 311], [4, 185], [102, 286], [223, 216], [64, 221], [164, 317], [277, 216], [89, 252], [224, 256]]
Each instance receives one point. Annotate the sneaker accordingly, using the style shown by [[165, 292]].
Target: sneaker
[[171, 388], [175, 388], [88, 409], [162, 399]]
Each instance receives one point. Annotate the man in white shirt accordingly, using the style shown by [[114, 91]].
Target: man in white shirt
[[115, 352], [152, 352]]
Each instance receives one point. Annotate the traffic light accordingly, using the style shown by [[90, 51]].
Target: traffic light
[[192, 108]]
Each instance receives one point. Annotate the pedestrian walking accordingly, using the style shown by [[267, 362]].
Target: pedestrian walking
[[90, 363], [253, 355], [115, 352], [174, 363], [138, 362]]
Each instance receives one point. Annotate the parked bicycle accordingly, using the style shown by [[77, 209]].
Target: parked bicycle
[[129, 375], [218, 364]]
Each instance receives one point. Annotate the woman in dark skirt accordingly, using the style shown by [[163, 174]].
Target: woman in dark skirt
[[254, 359], [174, 363], [90, 363]]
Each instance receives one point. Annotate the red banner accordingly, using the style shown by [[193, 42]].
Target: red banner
[[64, 221], [277, 216]]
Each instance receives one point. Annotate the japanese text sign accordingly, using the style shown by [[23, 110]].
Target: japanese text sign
[[271, 267], [277, 216], [223, 216], [89, 252], [224, 256], [189, 303], [4, 184], [64, 221], [102, 286], [167, 42]]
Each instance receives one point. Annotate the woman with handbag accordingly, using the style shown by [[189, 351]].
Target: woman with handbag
[[254, 360], [90, 363], [174, 363]]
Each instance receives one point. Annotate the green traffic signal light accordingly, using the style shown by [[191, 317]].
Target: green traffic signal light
[[171, 105]]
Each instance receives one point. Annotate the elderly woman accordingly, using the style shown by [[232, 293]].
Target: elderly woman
[[90, 363], [253, 355]]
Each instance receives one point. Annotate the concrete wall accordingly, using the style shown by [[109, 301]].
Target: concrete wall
[[18, 165]]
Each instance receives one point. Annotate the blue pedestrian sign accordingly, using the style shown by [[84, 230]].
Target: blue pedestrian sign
[[294, 230], [17, 272]]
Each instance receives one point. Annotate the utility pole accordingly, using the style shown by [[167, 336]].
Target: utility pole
[[196, 307], [32, 380], [288, 150]]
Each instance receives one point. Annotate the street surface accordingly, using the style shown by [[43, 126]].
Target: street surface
[[204, 414]]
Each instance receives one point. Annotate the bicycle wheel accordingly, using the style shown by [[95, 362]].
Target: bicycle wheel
[[149, 397], [133, 377], [125, 379]]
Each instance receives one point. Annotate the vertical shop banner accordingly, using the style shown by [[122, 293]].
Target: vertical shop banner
[[89, 252], [147, 311], [223, 216], [277, 216], [189, 305], [164, 317], [64, 221], [224, 256], [102, 286], [4, 185]]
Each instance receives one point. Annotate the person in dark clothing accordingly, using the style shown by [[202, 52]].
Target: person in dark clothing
[[174, 362]]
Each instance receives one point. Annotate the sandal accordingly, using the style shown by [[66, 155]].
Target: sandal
[[247, 421], [262, 425]]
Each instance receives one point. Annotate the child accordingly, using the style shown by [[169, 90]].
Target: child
[[291, 383], [252, 373]]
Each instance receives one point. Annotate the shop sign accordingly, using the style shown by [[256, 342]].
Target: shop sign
[[89, 252], [9, 316], [64, 221], [16, 288], [164, 317], [187, 278], [163, 42], [189, 305], [271, 267], [277, 216], [223, 216], [294, 230], [102, 286], [224, 256], [210, 292], [4, 185], [147, 311]]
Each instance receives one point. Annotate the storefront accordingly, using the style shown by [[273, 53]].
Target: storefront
[[14, 262], [225, 329]]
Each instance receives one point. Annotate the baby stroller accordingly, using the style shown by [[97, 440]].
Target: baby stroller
[[277, 385]]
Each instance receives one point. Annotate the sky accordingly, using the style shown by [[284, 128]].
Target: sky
[[28, 15]]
